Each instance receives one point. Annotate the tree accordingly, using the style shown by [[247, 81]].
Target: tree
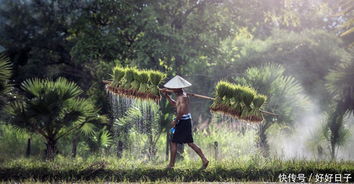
[[94, 133], [52, 109], [313, 52], [262, 16], [341, 87], [342, 16], [285, 97], [99, 140], [72, 38], [5, 74]]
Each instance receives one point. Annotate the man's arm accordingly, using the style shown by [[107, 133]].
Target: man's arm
[[173, 102], [178, 116], [191, 94]]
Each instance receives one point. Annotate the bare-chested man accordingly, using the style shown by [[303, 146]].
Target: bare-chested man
[[183, 126]]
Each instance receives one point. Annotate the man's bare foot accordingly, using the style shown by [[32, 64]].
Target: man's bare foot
[[205, 164]]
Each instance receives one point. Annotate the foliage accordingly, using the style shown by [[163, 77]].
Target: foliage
[[339, 84], [234, 141], [308, 56], [99, 140], [141, 123], [52, 109], [285, 96], [5, 74], [341, 88], [13, 143], [335, 131], [344, 11]]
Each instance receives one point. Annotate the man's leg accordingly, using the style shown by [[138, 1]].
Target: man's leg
[[173, 154], [200, 153]]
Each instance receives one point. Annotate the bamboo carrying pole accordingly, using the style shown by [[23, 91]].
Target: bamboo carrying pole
[[211, 98], [196, 95], [191, 94]]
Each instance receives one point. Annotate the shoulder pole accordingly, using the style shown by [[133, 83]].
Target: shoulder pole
[[200, 96]]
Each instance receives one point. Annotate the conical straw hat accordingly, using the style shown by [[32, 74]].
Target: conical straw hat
[[177, 82]]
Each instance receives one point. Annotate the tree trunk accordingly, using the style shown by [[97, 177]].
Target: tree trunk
[[119, 149], [28, 150], [333, 151], [74, 147], [51, 149], [152, 148], [335, 125], [167, 144], [262, 139]]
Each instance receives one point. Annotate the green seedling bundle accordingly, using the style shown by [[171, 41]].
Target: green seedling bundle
[[238, 101], [134, 83]]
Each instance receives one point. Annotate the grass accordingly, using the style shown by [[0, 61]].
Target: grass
[[123, 170]]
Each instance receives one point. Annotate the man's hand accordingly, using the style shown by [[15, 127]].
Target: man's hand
[[173, 123], [164, 91]]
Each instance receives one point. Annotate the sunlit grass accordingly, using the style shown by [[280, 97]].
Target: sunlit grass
[[99, 169]]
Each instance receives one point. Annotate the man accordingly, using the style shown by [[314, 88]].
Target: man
[[182, 123]]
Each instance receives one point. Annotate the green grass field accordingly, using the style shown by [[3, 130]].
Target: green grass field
[[111, 169]]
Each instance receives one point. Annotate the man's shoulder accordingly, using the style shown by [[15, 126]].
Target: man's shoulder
[[183, 97]]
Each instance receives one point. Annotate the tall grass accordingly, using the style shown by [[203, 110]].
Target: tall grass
[[238, 160]]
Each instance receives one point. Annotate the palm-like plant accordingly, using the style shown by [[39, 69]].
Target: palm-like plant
[[340, 84], [341, 87], [52, 109], [284, 96], [5, 74], [93, 133], [98, 140]]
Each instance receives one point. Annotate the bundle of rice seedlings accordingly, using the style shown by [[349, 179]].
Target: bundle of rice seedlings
[[144, 79], [134, 83], [118, 74], [237, 93], [220, 93], [246, 110], [155, 78], [248, 95], [228, 95], [221, 89], [255, 114], [237, 101], [259, 100], [128, 78]]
